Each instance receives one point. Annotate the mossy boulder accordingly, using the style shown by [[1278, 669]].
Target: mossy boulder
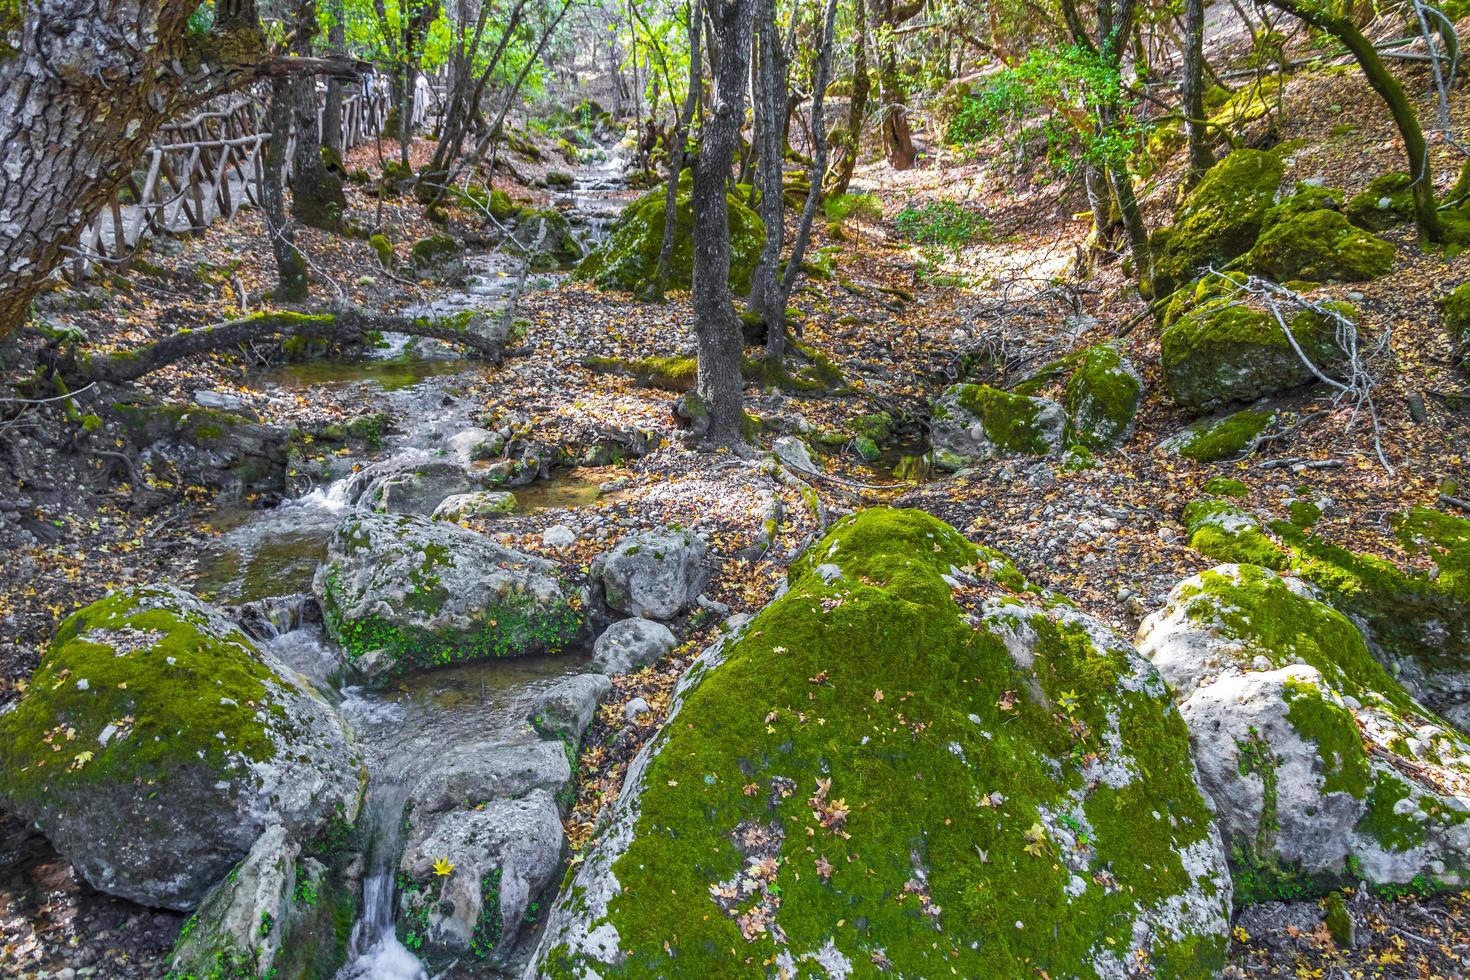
[[1322, 769], [401, 592], [976, 422], [1220, 219], [214, 447], [901, 762], [1209, 440], [155, 743], [280, 913], [1418, 622], [437, 257], [559, 248], [1221, 530], [1455, 308], [628, 260], [383, 249], [1388, 200], [1320, 246], [1102, 398], [1308, 198], [1225, 350]]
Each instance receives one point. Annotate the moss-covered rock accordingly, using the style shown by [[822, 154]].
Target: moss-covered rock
[[629, 259], [900, 762], [437, 256], [383, 249], [1388, 200], [1455, 308], [1224, 350], [155, 744], [1419, 622], [976, 422], [1304, 742], [1102, 398], [559, 248], [1224, 532], [1220, 219], [1320, 246], [400, 592], [668, 373], [1209, 440], [1308, 198], [1226, 486]]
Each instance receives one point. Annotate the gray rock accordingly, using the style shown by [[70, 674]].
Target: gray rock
[[476, 443], [977, 422], [416, 482], [475, 773], [565, 711], [1296, 735], [428, 592], [504, 856], [558, 536], [227, 400], [183, 744], [630, 644], [479, 503], [654, 574], [794, 453], [635, 709]]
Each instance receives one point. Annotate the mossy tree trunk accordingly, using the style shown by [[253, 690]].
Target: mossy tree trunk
[[332, 111], [898, 138], [716, 328], [84, 87], [1324, 18], [857, 107], [770, 95], [317, 198]]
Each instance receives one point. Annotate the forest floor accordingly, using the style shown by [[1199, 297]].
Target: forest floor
[[1110, 538]]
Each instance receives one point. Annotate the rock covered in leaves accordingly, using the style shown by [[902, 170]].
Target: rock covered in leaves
[[1220, 219], [900, 765], [628, 260], [655, 574], [1102, 398], [970, 423], [400, 592], [1323, 771], [156, 744]]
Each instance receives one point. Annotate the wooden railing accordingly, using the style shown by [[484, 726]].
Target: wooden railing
[[206, 168]]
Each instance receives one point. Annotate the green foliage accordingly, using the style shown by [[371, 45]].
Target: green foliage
[[841, 207], [947, 224]]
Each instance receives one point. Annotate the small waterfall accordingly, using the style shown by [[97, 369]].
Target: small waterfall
[[374, 952]]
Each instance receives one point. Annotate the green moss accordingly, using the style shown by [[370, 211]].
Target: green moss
[[1222, 531], [1253, 101], [1321, 246], [1225, 486], [879, 426], [1078, 458], [1223, 351], [1388, 200], [559, 247], [874, 698], [1220, 219], [1101, 399], [1303, 513], [1010, 421], [434, 252], [383, 249], [669, 373], [628, 261], [1339, 920], [1210, 440], [1395, 831], [1455, 308], [1308, 198], [1331, 728], [159, 679]]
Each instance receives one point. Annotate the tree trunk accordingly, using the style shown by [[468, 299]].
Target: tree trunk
[[898, 138], [291, 282], [857, 109], [1426, 217], [819, 155], [770, 101], [317, 198], [1200, 156], [716, 328], [332, 111], [676, 151]]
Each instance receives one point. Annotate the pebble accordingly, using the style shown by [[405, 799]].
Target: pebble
[[635, 708]]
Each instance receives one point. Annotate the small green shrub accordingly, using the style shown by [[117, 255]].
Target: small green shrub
[[948, 224]]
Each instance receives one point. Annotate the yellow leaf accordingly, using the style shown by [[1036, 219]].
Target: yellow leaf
[[442, 867]]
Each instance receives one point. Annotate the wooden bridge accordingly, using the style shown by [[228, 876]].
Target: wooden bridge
[[206, 168]]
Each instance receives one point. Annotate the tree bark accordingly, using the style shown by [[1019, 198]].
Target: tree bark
[[1200, 156], [898, 137], [291, 281], [83, 89], [770, 101], [857, 109], [819, 155], [716, 328], [332, 111], [1426, 216], [317, 198]]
